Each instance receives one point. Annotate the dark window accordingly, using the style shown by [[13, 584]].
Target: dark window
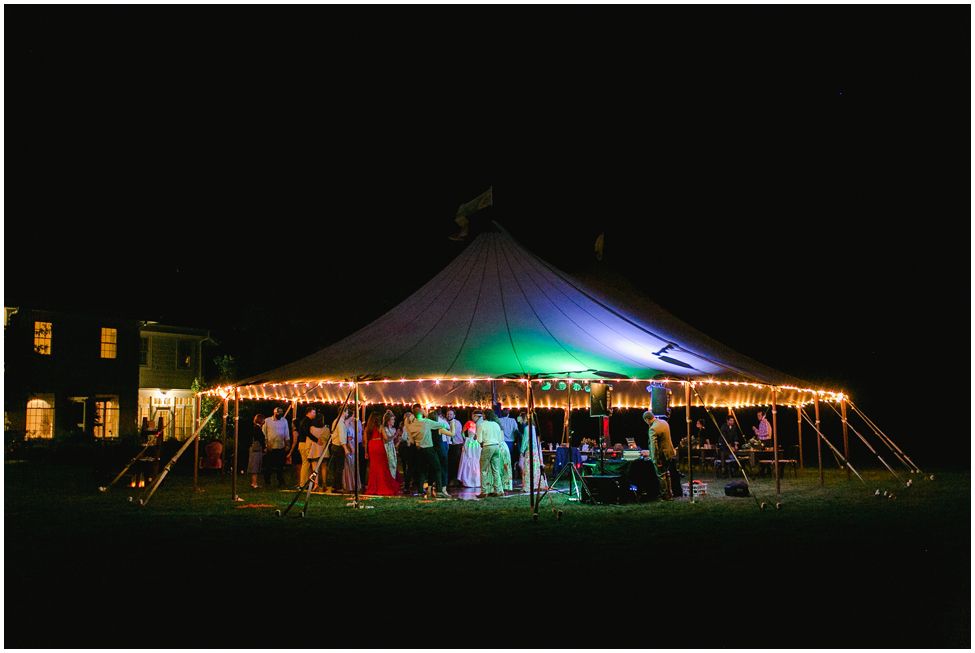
[[184, 354], [143, 351]]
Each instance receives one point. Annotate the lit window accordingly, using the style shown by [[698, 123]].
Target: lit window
[[144, 352], [40, 416], [106, 417], [184, 354], [42, 337], [108, 343]]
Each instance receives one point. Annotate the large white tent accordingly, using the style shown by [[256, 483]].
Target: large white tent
[[498, 314]]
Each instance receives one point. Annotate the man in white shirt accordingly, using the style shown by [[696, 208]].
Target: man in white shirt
[[763, 430], [444, 444], [491, 438], [455, 448], [277, 437], [338, 446]]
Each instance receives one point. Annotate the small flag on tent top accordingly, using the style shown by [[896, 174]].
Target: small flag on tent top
[[484, 200]]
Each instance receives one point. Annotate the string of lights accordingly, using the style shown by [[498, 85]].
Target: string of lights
[[550, 393]]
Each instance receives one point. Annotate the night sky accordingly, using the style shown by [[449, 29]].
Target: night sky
[[789, 180]]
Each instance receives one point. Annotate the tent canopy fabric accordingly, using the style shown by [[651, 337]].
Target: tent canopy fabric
[[499, 312]]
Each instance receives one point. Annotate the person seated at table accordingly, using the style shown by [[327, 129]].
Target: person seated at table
[[701, 435], [731, 433]]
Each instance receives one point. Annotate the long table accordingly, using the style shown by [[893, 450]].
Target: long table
[[760, 459]]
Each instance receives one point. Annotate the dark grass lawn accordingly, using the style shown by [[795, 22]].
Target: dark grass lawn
[[836, 567]]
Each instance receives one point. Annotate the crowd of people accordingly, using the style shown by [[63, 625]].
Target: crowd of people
[[425, 452]]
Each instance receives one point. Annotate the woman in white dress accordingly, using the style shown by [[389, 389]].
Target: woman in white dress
[[540, 482], [389, 428], [469, 471]]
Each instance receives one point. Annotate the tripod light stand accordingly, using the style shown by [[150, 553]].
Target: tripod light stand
[[574, 474]]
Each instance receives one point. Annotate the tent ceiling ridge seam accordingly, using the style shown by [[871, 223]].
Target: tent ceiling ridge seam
[[469, 273], [447, 282], [568, 298], [535, 313]]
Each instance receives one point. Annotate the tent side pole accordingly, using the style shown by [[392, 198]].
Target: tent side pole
[[690, 463], [223, 437], [775, 445], [568, 430], [565, 427], [819, 444], [846, 437], [233, 470], [196, 453], [799, 417], [355, 445], [531, 440]]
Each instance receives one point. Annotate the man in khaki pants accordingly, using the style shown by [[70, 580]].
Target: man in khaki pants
[[661, 452]]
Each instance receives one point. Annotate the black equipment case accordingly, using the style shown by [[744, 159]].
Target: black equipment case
[[736, 489]]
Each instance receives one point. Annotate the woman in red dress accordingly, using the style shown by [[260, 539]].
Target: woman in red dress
[[380, 480]]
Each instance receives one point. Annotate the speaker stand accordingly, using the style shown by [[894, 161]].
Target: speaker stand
[[574, 476]]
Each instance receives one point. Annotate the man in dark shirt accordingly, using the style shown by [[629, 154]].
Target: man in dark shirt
[[730, 432], [302, 442]]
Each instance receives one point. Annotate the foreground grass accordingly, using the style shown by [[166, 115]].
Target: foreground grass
[[836, 566]]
